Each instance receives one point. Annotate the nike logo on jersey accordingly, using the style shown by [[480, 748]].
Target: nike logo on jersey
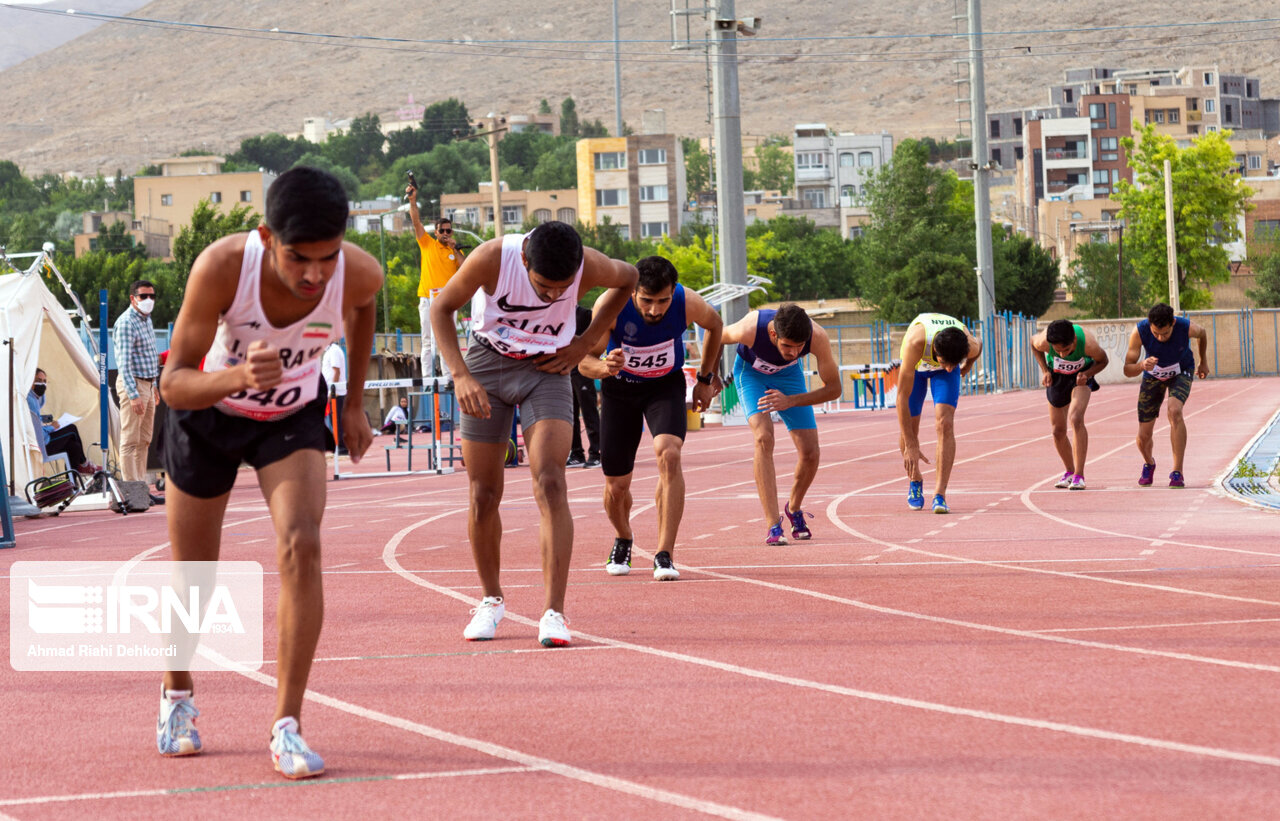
[[254, 325], [507, 306]]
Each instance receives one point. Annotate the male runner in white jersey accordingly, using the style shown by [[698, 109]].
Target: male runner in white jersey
[[259, 310], [524, 289]]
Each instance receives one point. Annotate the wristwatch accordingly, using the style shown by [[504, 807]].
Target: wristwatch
[[705, 378]]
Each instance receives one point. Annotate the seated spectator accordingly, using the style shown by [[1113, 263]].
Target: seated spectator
[[397, 420], [57, 438]]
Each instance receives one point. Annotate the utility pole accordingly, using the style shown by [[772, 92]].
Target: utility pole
[[981, 166], [617, 73], [494, 125], [1170, 239], [728, 157]]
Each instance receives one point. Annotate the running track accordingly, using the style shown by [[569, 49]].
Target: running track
[[1037, 653]]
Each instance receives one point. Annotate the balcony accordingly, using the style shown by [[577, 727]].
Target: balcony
[[1193, 116], [812, 174], [1064, 154]]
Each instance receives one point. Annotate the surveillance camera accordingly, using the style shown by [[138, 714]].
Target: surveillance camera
[[748, 26]]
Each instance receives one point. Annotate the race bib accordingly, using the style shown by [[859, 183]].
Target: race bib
[[299, 387], [1167, 371], [768, 368], [519, 344], [1068, 365], [650, 361]]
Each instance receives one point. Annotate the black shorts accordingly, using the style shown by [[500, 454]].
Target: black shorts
[[203, 449], [625, 407], [1151, 394], [1059, 391]]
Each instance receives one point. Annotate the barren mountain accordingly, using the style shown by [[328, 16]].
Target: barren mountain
[[127, 92], [24, 33]]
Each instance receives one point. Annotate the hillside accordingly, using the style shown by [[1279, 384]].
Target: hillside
[[122, 94], [24, 35]]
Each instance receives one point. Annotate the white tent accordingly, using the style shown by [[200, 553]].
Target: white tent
[[44, 337]]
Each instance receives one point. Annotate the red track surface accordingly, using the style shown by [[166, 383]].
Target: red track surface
[[1037, 653]]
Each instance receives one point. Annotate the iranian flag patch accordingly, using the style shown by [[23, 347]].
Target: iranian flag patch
[[317, 330]]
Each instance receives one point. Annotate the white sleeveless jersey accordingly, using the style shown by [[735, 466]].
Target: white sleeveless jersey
[[514, 321], [301, 344]]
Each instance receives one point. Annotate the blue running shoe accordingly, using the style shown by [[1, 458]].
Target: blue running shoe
[[940, 504], [915, 495], [290, 754], [775, 536], [799, 530], [175, 729]]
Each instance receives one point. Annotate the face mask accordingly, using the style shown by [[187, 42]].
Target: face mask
[[145, 305], [38, 388]]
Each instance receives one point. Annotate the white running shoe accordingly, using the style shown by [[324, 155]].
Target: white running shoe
[[290, 754], [553, 629], [1065, 481], [485, 618], [176, 732], [619, 563]]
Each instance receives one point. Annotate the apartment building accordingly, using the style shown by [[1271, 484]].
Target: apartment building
[[184, 181], [475, 209], [636, 182], [1004, 132], [151, 234]]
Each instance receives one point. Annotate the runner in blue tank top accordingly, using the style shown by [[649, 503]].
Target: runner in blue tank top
[[769, 378], [641, 382], [1168, 367]]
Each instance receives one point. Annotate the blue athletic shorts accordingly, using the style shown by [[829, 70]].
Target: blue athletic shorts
[[752, 385], [943, 385]]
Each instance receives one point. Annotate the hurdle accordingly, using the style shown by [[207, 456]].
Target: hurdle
[[439, 450]]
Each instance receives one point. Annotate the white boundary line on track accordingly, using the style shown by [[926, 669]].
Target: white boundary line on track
[[1088, 732]]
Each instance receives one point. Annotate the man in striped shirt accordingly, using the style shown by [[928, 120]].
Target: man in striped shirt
[[139, 365]]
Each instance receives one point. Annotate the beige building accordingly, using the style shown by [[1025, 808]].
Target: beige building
[[184, 181], [475, 209], [636, 182], [152, 234]]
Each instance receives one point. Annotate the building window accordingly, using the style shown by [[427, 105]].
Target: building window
[[473, 216], [1133, 91], [846, 159], [811, 159], [215, 197], [855, 231], [995, 156], [1100, 176], [451, 214], [995, 129], [653, 193], [611, 196], [1255, 162], [1175, 116], [1017, 126], [511, 215], [1209, 107], [1111, 115], [246, 196], [567, 215], [1067, 95], [815, 198], [1208, 78], [653, 230], [542, 215], [1017, 152], [610, 160], [848, 191], [1157, 116], [166, 199], [1266, 229], [652, 156], [624, 232], [1226, 113], [1193, 104], [866, 159], [1097, 111]]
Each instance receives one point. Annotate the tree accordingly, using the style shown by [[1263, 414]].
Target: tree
[[595, 128], [697, 166], [402, 273], [569, 118], [274, 152], [208, 224], [116, 239], [1208, 197], [444, 121], [777, 168], [360, 147], [448, 167], [1026, 275], [116, 272], [350, 182], [1095, 273], [557, 168], [1265, 259], [919, 246], [544, 107], [811, 263]]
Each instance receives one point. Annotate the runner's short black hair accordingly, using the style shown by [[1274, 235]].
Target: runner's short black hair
[[554, 250], [792, 323], [1060, 332], [1160, 315], [657, 274], [306, 204], [951, 346]]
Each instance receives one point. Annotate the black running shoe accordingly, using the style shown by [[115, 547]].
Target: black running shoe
[[664, 570], [620, 559]]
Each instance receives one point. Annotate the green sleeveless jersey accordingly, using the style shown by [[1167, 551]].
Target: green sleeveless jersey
[[1073, 362]]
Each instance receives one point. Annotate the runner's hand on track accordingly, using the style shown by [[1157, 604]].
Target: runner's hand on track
[[911, 459]]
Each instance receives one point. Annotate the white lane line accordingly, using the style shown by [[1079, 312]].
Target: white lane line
[[338, 527], [1158, 626], [1146, 553], [318, 782], [345, 564], [389, 557], [730, 527]]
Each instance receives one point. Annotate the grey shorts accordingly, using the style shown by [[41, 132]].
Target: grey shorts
[[510, 382]]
